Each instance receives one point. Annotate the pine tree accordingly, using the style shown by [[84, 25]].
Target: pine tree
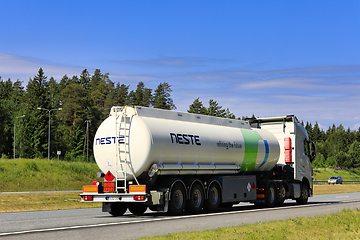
[[121, 94], [85, 80], [139, 94], [162, 97], [73, 116], [36, 133], [7, 118], [197, 107], [229, 114], [215, 110], [317, 134]]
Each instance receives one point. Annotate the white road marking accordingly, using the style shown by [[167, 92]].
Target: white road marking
[[343, 197], [158, 219]]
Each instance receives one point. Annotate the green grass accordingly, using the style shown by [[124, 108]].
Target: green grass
[[53, 175], [45, 175], [42, 201], [343, 225], [323, 174]]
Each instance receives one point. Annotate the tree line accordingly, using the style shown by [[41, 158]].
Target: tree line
[[85, 102], [336, 147]]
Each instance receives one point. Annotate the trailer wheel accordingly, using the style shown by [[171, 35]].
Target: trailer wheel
[[271, 195], [118, 209], [137, 209], [281, 194], [304, 196], [177, 199], [196, 201], [214, 198]]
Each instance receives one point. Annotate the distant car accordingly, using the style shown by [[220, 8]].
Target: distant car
[[335, 180]]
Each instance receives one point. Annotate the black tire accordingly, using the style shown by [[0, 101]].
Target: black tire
[[177, 199], [118, 209], [137, 209], [214, 198], [196, 199], [304, 195], [281, 194], [271, 195]]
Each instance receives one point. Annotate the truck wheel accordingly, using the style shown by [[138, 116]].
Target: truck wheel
[[118, 209], [281, 195], [177, 199], [303, 199], [214, 198], [271, 196], [137, 209], [196, 201]]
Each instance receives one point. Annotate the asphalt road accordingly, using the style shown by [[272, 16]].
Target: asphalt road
[[93, 224]]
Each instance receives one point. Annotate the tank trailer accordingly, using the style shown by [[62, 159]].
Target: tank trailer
[[174, 162]]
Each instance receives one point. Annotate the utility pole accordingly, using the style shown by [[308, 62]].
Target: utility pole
[[87, 139], [57, 109]]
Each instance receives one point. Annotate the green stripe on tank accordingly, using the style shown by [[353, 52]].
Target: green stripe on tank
[[251, 140]]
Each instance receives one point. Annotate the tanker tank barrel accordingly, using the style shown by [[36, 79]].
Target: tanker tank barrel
[[136, 138]]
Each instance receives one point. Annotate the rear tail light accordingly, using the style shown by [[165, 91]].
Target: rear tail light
[[139, 197], [87, 198], [260, 195]]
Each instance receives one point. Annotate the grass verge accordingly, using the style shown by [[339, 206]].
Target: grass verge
[[343, 225], [333, 189], [42, 201], [323, 174], [44, 175]]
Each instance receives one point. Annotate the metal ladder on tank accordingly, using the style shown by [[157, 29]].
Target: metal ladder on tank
[[123, 162]]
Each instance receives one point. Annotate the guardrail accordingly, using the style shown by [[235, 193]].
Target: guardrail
[[325, 182]]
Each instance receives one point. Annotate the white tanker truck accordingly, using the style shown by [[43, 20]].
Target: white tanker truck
[[173, 162]]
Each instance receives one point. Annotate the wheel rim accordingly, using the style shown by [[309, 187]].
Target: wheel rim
[[305, 193], [179, 199], [197, 198], [214, 196], [282, 192], [272, 194]]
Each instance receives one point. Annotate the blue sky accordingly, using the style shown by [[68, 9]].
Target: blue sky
[[267, 58]]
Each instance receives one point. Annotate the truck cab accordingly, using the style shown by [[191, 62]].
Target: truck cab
[[296, 149]]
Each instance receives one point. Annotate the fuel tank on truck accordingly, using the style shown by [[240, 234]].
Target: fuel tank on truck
[[135, 139]]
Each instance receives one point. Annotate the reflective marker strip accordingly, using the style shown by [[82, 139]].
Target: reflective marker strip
[[137, 188], [92, 188]]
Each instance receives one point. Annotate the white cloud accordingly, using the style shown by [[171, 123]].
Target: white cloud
[[22, 68], [328, 95]]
